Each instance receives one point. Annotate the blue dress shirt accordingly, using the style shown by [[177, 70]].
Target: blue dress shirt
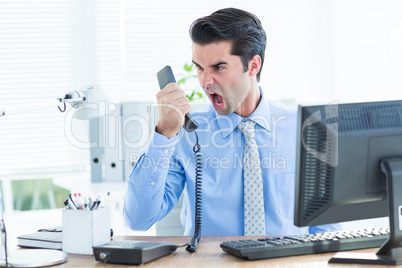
[[160, 175]]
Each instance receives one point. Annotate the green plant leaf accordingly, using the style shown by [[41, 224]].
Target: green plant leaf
[[192, 95], [188, 67], [182, 81]]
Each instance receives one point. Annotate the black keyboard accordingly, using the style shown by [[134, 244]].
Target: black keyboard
[[131, 251], [282, 246]]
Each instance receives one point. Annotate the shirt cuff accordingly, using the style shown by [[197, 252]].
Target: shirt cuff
[[161, 146]]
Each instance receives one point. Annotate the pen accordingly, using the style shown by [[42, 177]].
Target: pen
[[71, 206], [97, 204], [89, 202], [83, 202], [72, 201], [93, 205], [78, 201], [66, 204]]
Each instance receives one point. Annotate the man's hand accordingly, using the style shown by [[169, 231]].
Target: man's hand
[[172, 106]]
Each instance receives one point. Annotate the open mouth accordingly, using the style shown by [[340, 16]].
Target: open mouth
[[217, 100]]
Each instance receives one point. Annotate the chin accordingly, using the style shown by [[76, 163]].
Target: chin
[[222, 112]]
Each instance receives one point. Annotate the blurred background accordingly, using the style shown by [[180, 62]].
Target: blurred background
[[318, 51]]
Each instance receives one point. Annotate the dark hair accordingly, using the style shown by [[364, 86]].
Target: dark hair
[[240, 27]]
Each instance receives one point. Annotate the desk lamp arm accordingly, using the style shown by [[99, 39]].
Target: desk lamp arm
[[75, 98]]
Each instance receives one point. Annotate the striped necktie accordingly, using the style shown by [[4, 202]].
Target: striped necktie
[[254, 216]]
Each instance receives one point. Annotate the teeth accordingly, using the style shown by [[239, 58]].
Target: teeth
[[215, 98]]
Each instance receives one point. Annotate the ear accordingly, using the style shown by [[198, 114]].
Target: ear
[[254, 65]]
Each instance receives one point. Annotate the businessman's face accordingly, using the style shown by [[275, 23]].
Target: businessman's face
[[223, 78]]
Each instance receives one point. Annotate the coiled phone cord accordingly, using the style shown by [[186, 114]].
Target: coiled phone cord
[[192, 246]]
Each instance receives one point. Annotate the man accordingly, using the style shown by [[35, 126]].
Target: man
[[228, 52]]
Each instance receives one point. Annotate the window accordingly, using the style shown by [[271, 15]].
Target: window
[[316, 49]]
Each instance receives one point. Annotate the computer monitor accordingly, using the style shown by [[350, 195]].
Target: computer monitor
[[349, 167]]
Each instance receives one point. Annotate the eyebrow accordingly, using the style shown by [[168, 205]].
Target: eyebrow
[[213, 65]]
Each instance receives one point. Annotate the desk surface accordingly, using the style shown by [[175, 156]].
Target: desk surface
[[209, 254]]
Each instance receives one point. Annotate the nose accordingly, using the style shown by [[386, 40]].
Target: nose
[[206, 79]]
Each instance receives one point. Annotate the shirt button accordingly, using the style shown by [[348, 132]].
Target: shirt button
[[165, 151], [173, 149], [152, 183]]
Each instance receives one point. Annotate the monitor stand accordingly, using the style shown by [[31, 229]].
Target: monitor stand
[[34, 258], [390, 253]]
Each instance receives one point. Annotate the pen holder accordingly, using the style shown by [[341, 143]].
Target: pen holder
[[83, 229]]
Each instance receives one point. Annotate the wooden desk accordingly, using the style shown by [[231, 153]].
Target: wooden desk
[[209, 254]]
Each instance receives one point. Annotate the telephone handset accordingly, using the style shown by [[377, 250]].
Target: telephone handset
[[165, 76]]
